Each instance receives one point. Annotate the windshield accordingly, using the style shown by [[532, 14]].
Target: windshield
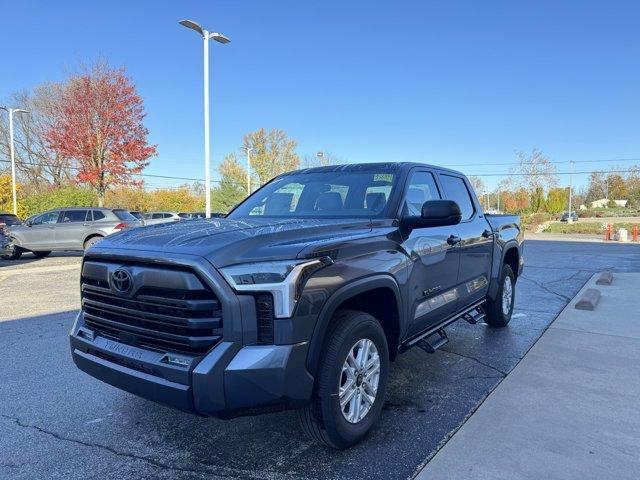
[[321, 194]]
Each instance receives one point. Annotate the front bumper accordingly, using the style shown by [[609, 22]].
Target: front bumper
[[229, 380]]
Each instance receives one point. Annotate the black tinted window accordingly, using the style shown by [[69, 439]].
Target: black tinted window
[[9, 219], [456, 190], [422, 187], [98, 215], [73, 216]]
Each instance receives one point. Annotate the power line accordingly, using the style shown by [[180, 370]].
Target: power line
[[149, 175], [533, 174]]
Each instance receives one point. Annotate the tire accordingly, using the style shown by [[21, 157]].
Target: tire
[[498, 311], [90, 242], [323, 419], [42, 253], [14, 253]]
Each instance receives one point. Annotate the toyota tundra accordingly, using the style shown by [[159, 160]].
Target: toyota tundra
[[299, 298]]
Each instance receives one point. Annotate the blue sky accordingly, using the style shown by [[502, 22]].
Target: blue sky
[[450, 83]]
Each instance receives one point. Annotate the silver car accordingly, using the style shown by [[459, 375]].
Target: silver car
[[153, 218], [65, 229]]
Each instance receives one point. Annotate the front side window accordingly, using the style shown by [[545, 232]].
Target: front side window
[[421, 188], [73, 216], [456, 190], [321, 194], [50, 217]]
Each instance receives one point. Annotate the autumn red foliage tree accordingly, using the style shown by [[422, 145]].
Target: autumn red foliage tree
[[99, 125]]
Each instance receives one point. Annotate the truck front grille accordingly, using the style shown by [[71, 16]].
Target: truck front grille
[[169, 310]]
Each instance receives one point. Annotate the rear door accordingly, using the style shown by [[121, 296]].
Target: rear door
[[72, 229], [433, 272], [476, 241]]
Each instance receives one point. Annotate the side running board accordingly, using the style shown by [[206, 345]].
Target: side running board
[[472, 314], [430, 345]]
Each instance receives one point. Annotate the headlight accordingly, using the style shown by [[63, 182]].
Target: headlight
[[282, 279]]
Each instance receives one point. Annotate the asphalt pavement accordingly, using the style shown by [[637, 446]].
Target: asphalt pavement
[[56, 422]]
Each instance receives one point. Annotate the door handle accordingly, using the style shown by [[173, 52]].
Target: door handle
[[453, 240]]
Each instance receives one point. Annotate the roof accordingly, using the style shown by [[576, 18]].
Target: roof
[[366, 167]]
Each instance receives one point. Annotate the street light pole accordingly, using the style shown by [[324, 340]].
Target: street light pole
[[249, 170], [570, 186], [206, 36], [11, 111]]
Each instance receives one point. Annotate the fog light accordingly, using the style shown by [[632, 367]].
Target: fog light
[[178, 361]]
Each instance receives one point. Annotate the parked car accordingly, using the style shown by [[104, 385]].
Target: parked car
[[193, 215], [138, 215], [154, 218], [7, 220], [301, 297], [65, 229], [569, 215]]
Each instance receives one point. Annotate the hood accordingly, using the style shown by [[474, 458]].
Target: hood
[[227, 241]]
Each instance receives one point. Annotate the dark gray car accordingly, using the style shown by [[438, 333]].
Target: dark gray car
[[65, 229]]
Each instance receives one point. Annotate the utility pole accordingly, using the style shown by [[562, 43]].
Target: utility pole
[[206, 36], [14, 189]]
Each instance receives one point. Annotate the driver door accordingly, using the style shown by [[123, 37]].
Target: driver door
[[433, 269], [41, 235]]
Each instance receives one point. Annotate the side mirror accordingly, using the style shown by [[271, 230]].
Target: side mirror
[[436, 213], [28, 223]]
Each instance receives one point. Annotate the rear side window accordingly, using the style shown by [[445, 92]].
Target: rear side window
[[98, 215], [73, 216], [124, 216], [455, 189]]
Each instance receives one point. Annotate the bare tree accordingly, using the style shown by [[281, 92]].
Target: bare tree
[[478, 185], [37, 164], [534, 172], [320, 159]]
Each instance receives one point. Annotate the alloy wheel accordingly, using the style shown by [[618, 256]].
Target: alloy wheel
[[507, 295], [359, 380]]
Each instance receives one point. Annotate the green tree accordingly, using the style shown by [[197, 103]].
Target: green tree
[[272, 153], [557, 200], [232, 187]]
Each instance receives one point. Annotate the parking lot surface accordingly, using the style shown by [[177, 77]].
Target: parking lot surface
[[56, 422]]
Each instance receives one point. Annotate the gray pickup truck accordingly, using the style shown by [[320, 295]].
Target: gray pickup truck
[[299, 298]]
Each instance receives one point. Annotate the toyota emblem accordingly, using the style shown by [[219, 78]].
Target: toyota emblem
[[121, 280]]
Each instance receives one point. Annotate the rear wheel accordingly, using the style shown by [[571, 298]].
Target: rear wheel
[[90, 242], [499, 310], [42, 253], [12, 252], [351, 381]]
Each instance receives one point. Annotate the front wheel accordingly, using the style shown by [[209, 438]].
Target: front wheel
[[12, 252], [498, 311], [351, 381]]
